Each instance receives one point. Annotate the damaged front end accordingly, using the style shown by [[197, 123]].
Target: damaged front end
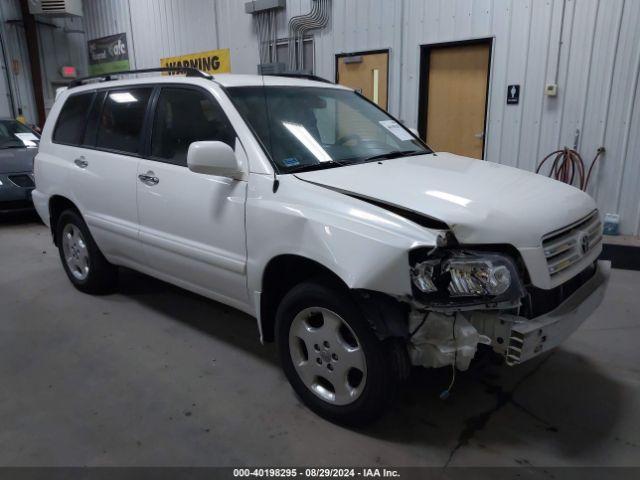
[[448, 286], [465, 297]]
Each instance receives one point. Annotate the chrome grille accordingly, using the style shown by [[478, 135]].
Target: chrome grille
[[565, 247]]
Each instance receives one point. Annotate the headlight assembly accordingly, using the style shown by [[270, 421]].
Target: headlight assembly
[[467, 278]]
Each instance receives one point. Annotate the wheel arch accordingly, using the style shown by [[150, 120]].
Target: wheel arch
[[57, 205], [386, 314], [280, 275]]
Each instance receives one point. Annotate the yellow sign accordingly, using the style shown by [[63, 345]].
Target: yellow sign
[[213, 61]]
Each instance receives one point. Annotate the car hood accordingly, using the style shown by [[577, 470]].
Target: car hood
[[14, 160], [482, 202]]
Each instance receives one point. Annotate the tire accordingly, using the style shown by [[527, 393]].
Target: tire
[[81, 258], [307, 317]]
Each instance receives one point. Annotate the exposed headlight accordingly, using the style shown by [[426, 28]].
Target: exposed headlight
[[463, 277], [476, 277], [422, 275]]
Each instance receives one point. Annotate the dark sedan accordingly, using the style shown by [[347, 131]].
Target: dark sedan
[[18, 147]]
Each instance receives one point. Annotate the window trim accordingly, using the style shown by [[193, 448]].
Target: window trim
[[147, 124], [153, 103]]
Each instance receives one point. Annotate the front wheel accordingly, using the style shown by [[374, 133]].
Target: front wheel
[[331, 356]]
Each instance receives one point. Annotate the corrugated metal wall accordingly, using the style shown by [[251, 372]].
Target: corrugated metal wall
[[597, 72]]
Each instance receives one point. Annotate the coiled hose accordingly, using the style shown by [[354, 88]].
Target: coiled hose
[[568, 164]]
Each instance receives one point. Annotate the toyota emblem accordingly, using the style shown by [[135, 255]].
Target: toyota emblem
[[584, 243]]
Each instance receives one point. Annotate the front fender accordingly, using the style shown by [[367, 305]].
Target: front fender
[[365, 245]]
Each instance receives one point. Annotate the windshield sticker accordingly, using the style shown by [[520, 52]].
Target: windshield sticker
[[28, 139], [396, 129], [290, 162]]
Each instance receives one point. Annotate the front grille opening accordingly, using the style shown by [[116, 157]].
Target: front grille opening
[[24, 181]]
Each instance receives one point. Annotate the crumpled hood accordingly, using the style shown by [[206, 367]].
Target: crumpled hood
[[482, 202], [17, 160]]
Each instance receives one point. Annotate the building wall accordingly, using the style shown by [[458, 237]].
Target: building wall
[[61, 41], [592, 47], [16, 49]]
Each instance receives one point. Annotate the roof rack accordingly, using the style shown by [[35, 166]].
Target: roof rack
[[190, 72], [305, 76]]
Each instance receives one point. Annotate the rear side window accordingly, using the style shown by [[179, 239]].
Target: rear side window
[[184, 116], [122, 118], [72, 118]]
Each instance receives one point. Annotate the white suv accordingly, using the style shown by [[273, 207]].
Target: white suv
[[358, 250]]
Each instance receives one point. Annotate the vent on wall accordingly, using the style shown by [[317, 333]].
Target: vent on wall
[[56, 8]]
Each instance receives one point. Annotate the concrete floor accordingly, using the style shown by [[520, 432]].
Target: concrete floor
[[154, 375]]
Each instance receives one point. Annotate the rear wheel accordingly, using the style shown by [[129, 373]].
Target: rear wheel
[[331, 356], [83, 262]]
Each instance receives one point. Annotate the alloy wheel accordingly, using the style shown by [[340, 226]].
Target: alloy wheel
[[76, 253], [327, 355]]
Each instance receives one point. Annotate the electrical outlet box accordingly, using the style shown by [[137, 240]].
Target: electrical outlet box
[[551, 89]]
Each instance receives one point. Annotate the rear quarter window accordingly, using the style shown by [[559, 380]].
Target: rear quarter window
[[72, 119]]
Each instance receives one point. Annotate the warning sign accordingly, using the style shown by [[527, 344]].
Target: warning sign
[[213, 61]]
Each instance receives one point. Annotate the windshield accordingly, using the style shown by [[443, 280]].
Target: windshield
[[307, 128], [13, 134]]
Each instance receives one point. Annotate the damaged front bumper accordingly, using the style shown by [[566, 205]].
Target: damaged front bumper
[[440, 339], [529, 338]]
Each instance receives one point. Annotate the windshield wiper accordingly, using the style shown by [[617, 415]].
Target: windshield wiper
[[393, 154], [314, 166]]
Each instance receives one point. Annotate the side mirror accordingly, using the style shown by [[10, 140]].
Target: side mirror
[[214, 158]]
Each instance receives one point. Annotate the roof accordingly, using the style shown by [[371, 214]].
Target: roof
[[223, 79]]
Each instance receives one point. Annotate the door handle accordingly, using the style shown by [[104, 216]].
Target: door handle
[[479, 135], [81, 162], [149, 178]]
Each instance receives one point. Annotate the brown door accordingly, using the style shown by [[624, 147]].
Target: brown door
[[457, 98], [366, 73]]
